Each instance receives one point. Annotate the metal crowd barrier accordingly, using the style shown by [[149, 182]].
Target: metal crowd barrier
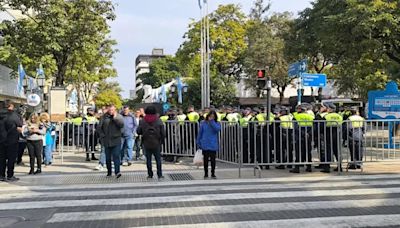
[[276, 143], [72, 138]]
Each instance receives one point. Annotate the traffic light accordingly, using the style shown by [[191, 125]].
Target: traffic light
[[261, 74], [261, 79]]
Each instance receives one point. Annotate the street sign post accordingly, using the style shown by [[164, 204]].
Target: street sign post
[[385, 105], [314, 80], [296, 70]]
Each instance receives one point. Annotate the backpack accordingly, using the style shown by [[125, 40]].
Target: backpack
[[151, 137]]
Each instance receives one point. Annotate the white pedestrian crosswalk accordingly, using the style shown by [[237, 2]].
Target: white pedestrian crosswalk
[[329, 201]]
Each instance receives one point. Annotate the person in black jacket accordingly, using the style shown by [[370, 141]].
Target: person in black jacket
[[110, 133], [153, 134], [8, 153]]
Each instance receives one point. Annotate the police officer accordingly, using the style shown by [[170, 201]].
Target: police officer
[[302, 127], [356, 130], [333, 125], [90, 136], [319, 134], [244, 123], [192, 115], [284, 138]]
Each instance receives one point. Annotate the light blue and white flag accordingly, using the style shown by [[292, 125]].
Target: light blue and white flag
[[21, 74], [163, 94]]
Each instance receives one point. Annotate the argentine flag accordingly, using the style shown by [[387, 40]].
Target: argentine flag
[[21, 74]]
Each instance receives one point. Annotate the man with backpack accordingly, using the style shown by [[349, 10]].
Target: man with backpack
[[153, 133]]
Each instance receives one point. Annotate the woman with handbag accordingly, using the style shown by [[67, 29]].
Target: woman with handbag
[[207, 141]]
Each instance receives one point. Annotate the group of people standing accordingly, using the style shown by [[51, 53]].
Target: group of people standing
[[287, 138], [16, 134]]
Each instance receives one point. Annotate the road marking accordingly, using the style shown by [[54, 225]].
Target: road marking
[[266, 186], [331, 222], [188, 198], [211, 210], [8, 188]]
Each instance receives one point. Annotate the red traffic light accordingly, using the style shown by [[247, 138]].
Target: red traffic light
[[260, 73]]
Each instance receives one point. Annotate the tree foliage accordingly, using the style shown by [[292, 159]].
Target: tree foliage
[[60, 34], [162, 70], [107, 97]]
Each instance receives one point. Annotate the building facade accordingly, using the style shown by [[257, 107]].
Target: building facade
[[142, 66]]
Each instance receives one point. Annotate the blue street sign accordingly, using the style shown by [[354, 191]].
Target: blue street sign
[[297, 68], [384, 104], [314, 80]]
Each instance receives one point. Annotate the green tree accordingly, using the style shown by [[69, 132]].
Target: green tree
[[266, 38], [55, 32], [106, 97], [162, 71], [360, 39], [227, 32]]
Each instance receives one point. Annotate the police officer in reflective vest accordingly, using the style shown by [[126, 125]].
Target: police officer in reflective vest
[[319, 133], [303, 128], [333, 126], [284, 137], [244, 123], [192, 115], [356, 130], [90, 135]]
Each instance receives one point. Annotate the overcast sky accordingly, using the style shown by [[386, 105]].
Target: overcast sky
[[142, 25]]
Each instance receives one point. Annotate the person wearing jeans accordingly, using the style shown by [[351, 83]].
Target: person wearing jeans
[[127, 136], [207, 140], [153, 134], [157, 157], [110, 128]]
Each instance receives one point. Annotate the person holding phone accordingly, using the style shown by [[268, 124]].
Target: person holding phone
[[207, 141], [36, 131]]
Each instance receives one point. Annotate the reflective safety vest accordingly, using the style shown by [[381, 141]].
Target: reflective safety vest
[[311, 113], [232, 118], [193, 117], [271, 117], [322, 115], [304, 119], [286, 121], [333, 119], [220, 116], [181, 119], [77, 121], [244, 122], [164, 119], [356, 121], [260, 118], [91, 119]]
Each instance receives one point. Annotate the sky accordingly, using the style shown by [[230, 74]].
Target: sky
[[142, 25]]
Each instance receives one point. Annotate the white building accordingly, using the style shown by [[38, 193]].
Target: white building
[[142, 66]]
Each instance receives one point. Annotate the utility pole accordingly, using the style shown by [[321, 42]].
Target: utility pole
[[205, 54]]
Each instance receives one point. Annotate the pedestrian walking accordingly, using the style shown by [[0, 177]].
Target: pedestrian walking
[[128, 135], [36, 131], [207, 141], [110, 133], [9, 147], [152, 131]]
